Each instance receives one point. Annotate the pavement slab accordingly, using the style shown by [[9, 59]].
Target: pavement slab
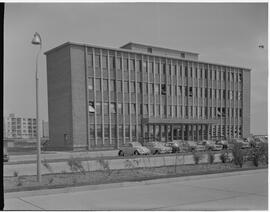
[[237, 191]]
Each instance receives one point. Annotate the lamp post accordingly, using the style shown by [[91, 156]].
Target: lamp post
[[37, 41]]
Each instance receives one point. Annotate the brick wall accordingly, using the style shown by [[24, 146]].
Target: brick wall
[[59, 99], [246, 103]]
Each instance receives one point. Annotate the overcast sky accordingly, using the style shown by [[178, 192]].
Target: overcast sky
[[227, 33]]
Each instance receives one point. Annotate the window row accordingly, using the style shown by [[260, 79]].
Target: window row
[[151, 88], [171, 110], [163, 68]]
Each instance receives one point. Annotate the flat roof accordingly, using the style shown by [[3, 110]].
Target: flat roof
[[158, 47], [138, 52]]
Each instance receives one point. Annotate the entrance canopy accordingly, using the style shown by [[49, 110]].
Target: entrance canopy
[[175, 121]]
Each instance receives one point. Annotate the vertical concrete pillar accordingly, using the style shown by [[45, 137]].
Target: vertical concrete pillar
[[183, 137], [172, 133], [166, 133]]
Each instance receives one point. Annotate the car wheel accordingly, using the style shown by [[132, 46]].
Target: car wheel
[[136, 153], [156, 152], [121, 153]]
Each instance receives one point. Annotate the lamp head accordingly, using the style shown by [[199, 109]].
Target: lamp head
[[37, 39]]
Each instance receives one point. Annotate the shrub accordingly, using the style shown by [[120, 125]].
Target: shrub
[[105, 165], [238, 156], [75, 165], [197, 157], [224, 157], [47, 165], [259, 154], [211, 157]]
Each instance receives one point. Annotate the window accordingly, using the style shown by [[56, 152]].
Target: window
[[139, 85], [106, 131], [138, 65], [180, 90], [240, 77], [186, 91], [119, 86], [205, 92], [118, 62], [151, 88], [151, 70], [112, 63], [145, 109], [98, 85], [125, 64], [201, 73], [133, 109], [99, 131], [112, 85], [120, 108], [144, 66], [186, 71], [127, 131], [113, 107], [98, 108], [163, 68], [157, 68], [163, 89], [210, 93], [205, 73], [240, 112], [145, 88], [157, 110], [104, 62], [191, 72], [132, 65], [183, 55], [97, 61], [157, 89], [190, 91], [105, 108], [105, 85], [224, 94], [149, 50], [91, 84], [151, 110], [132, 87], [126, 89], [127, 108]]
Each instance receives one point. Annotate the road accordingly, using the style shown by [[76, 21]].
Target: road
[[246, 190]]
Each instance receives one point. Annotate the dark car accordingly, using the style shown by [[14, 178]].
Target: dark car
[[6, 156], [175, 147]]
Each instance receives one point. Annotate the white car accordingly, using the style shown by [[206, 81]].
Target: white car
[[133, 148]]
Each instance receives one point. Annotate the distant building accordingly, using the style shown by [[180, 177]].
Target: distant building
[[45, 129], [101, 98], [19, 127]]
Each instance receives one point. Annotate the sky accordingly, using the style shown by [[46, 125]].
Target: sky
[[226, 33]]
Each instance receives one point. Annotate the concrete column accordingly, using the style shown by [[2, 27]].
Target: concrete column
[[166, 133], [172, 132], [197, 131], [182, 131]]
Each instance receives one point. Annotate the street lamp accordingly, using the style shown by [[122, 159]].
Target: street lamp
[[37, 41]]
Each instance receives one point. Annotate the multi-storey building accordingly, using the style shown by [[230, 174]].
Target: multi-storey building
[[19, 127], [102, 97]]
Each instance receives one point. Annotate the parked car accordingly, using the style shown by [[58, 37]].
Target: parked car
[[158, 147], [5, 155], [244, 144], [133, 148], [174, 145], [193, 146], [211, 145]]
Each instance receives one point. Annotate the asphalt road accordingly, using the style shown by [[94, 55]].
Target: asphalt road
[[246, 190]]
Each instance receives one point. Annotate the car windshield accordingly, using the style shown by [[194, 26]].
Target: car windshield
[[135, 144]]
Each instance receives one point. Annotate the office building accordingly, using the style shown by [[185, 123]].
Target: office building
[[19, 127], [102, 98]]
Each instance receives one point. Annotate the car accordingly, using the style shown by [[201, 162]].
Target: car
[[193, 146], [133, 148], [225, 144], [5, 155], [174, 145], [211, 145], [244, 144], [157, 147]]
